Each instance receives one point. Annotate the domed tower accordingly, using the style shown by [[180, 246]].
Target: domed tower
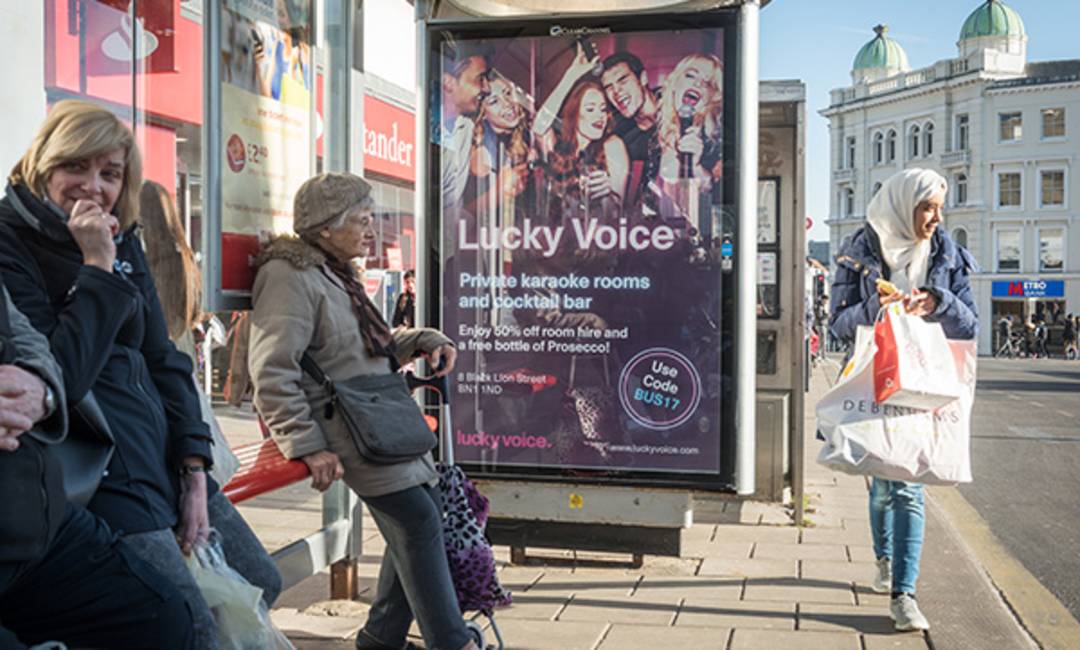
[[993, 39], [880, 58]]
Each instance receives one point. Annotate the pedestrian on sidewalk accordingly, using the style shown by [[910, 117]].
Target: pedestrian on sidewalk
[[307, 298], [902, 243]]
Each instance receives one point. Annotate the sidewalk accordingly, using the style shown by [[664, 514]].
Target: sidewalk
[[747, 578]]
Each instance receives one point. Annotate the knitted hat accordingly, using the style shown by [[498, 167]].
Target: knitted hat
[[325, 197]]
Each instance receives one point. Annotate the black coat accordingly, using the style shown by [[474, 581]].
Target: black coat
[[108, 334]]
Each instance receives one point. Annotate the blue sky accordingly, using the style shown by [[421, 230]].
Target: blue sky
[[816, 41]]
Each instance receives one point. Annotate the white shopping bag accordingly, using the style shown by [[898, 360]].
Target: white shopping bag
[[912, 365], [897, 442]]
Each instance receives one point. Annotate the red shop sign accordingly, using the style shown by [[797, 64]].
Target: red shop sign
[[389, 140]]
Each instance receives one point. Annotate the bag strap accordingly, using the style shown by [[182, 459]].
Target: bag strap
[[308, 365]]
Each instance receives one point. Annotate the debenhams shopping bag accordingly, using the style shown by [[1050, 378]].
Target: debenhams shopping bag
[[897, 442]]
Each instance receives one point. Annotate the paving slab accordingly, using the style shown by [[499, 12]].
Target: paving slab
[[625, 609], [895, 641], [528, 605], [799, 591], [525, 634], [834, 552], [760, 639], [862, 572], [719, 549], [841, 618], [835, 536], [298, 624], [736, 614], [764, 534], [638, 637], [715, 566], [701, 589]]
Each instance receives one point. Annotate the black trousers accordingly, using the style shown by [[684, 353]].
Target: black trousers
[[88, 592]]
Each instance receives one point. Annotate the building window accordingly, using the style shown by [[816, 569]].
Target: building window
[[928, 139], [1011, 127], [1052, 188], [877, 188], [1008, 250], [849, 153], [1051, 249], [849, 202], [890, 147], [879, 148], [1053, 123], [962, 125], [913, 142], [960, 186], [960, 237], [1009, 190]]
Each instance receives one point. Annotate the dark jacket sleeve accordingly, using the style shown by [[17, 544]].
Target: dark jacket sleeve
[[171, 371], [81, 333], [956, 309], [849, 308], [31, 352]]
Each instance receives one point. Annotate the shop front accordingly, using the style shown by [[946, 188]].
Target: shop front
[[1027, 302]]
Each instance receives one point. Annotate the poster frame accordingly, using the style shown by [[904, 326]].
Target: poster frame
[[430, 267]]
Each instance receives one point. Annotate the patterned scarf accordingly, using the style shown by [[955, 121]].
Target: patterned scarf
[[377, 337]]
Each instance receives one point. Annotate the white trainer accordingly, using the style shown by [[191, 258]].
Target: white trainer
[[905, 612], [883, 579]]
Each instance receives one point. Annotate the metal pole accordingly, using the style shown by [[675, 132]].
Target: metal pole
[[420, 193], [211, 162], [746, 319]]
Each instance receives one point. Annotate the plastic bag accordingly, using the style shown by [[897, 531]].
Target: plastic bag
[[243, 620], [225, 461], [912, 366], [896, 442]]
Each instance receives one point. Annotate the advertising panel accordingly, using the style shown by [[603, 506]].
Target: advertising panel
[[266, 124], [583, 177]]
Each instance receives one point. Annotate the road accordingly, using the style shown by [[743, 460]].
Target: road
[[1026, 463]]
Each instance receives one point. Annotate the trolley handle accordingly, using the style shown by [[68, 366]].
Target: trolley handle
[[441, 385]]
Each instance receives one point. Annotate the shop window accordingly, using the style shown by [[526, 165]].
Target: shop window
[[890, 146], [879, 148], [1009, 190], [1010, 127], [1008, 250], [395, 233], [1053, 123], [913, 142], [962, 126], [960, 189], [928, 139], [1051, 249], [1052, 188], [960, 237]]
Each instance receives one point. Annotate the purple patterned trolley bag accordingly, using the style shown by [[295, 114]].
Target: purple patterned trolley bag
[[472, 561]]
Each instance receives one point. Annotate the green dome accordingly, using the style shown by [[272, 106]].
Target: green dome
[[882, 52], [992, 18]]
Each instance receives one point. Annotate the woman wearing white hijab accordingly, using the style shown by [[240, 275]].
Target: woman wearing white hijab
[[902, 243]]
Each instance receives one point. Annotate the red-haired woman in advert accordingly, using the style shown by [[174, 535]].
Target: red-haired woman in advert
[[588, 165]]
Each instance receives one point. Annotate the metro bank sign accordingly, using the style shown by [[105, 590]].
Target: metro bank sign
[[389, 140], [1028, 289]]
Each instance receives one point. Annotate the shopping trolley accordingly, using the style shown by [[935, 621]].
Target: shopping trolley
[[465, 511]]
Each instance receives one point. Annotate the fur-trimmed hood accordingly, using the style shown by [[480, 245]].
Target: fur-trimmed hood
[[292, 249]]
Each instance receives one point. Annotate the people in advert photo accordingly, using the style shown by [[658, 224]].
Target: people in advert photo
[[626, 85], [464, 84], [689, 133]]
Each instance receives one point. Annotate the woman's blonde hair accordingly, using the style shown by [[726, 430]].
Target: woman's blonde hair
[[78, 130], [172, 262], [708, 118]]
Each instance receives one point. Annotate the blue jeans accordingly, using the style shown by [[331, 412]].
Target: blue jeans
[[898, 525], [414, 578]]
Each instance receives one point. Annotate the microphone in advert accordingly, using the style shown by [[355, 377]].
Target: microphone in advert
[[686, 120]]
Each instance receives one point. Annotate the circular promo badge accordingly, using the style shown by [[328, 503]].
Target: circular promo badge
[[659, 388]]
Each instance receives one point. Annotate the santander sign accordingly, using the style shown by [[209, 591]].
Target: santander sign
[[389, 139]]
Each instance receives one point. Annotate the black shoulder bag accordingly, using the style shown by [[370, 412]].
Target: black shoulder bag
[[384, 422]]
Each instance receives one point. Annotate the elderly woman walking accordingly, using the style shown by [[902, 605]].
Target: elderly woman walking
[[903, 244], [308, 298]]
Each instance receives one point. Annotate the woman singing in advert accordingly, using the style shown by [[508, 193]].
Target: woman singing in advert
[[688, 141]]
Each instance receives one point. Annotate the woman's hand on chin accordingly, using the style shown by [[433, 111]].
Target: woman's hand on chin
[[93, 231]]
